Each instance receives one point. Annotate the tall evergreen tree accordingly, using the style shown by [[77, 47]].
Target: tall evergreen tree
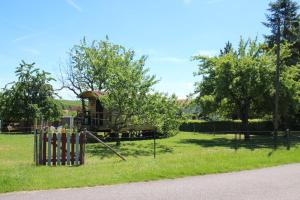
[[284, 22], [227, 49], [283, 19]]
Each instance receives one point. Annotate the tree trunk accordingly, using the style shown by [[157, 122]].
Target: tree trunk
[[245, 122], [115, 136], [277, 82], [245, 128], [118, 139], [83, 106]]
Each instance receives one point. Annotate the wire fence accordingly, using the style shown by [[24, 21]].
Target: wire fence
[[231, 139]]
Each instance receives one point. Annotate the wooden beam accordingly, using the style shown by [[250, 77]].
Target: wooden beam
[[100, 141]]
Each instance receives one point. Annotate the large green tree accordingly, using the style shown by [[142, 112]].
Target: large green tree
[[30, 97], [114, 70], [284, 23], [237, 82], [90, 66], [128, 96], [283, 20]]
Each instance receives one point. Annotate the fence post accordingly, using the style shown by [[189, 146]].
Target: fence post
[[58, 148], [49, 148], [77, 148], [44, 147], [82, 145], [72, 148], [71, 123], [288, 138], [154, 144], [68, 148], [36, 156], [41, 136], [63, 146], [0, 126]]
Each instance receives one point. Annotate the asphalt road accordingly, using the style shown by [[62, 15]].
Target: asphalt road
[[274, 183]]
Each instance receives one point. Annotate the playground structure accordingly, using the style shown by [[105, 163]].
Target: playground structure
[[98, 119]]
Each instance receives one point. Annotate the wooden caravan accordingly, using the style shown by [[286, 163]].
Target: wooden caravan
[[94, 117]]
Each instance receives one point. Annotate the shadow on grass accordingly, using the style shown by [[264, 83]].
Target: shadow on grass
[[127, 149], [255, 142], [16, 133]]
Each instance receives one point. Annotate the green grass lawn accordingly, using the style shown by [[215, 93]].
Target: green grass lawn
[[185, 154]]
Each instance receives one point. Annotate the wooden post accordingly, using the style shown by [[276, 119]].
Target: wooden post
[[58, 148], [44, 148], [236, 141], [288, 139], [93, 136], [41, 136], [71, 123], [72, 148], [77, 148], [36, 157], [68, 148], [154, 144], [63, 147], [40, 151], [49, 148], [82, 142], [54, 149]]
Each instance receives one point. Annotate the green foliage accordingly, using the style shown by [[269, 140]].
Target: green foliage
[[222, 126], [30, 97], [236, 83], [128, 96], [284, 23], [290, 95], [162, 112], [69, 104], [126, 84]]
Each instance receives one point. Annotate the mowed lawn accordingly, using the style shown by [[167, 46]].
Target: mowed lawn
[[185, 154]]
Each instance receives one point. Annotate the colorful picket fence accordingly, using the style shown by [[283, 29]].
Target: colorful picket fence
[[59, 148]]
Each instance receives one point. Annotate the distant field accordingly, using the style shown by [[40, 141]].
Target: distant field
[[186, 154], [70, 103]]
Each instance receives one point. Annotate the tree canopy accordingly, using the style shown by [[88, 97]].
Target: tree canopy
[[30, 97], [236, 83], [114, 70]]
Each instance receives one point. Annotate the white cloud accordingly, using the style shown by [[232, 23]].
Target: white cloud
[[31, 51], [206, 53], [187, 2], [25, 37], [170, 59], [74, 5], [214, 1]]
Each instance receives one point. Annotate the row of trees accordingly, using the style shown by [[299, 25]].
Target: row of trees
[[99, 66], [256, 80]]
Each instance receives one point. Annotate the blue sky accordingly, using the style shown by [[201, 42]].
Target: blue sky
[[168, 31]]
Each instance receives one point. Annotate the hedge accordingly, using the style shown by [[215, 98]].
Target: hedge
[[224, 126]]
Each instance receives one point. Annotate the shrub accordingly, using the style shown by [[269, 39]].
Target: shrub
[[224, 126]]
